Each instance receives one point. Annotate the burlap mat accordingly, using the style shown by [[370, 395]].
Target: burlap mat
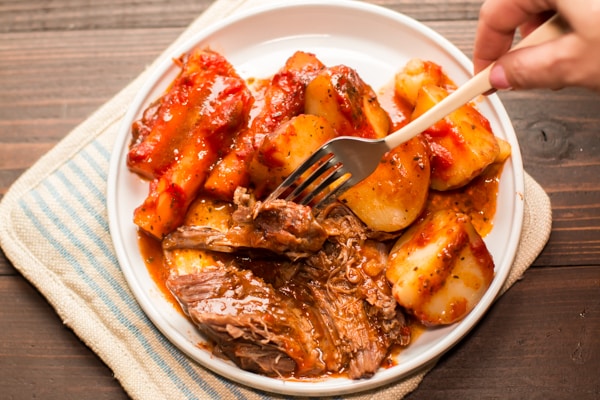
[[54, 229]]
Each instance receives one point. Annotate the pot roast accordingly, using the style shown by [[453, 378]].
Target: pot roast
[[286, 294]]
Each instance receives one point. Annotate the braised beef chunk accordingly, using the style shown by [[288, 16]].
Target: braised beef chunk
[[352, 293], [278, 226], [329, 312], [256, 326]]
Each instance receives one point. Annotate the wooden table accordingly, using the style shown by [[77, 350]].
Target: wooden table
[[61, 60]]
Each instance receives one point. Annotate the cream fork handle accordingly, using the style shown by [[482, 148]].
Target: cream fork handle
[[477, 85]]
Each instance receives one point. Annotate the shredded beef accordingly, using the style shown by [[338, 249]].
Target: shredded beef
[[329, 311], [278, 226]]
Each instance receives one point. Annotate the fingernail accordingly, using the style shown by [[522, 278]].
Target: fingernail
[[498, 78]]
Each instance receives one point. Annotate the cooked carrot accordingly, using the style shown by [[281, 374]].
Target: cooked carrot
[[283, 99], [210, 107], [166, 124]]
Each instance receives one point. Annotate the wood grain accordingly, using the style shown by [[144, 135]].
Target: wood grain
[[514, 353], [42, 358], [61, 60]]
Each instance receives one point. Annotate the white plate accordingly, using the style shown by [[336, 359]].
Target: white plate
[[377, 43]]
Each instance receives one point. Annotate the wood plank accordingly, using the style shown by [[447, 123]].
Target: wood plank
[[51, 82], [43, 96], [69, 15], [558, 139], [61, 60], [512, 353], [22, 155], [539, 341], [42, 358]]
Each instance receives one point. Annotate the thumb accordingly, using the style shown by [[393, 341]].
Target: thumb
[[548, 65]]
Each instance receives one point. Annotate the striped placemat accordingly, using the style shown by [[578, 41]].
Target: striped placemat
[[54, 228]]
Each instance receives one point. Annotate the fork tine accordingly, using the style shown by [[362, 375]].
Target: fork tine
[[345, 185], [298, 172], [329, 177], [323, 166]]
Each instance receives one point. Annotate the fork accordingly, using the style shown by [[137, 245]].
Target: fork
[[344, 161]]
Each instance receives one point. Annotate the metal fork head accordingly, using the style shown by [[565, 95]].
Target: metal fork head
[[330, 171], [318, 179]]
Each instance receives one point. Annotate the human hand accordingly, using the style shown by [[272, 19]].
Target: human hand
[[571, 60]]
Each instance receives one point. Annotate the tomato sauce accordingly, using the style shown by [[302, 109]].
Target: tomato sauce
[[398, 110], [477, 199], [152, 254]]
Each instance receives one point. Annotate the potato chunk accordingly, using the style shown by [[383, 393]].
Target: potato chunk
[[462, 145], [202, 212], [440, 268], [282, 99], [505, 150], [350, 105], [285, 149], [416, 74], [394, 195]]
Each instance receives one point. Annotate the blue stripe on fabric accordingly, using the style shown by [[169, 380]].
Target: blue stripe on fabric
[[98, 291], [106, 250], [95, 191], [102, 150], [86, 205], [105, 153], [128, 300], [99, 169], [74, 190]]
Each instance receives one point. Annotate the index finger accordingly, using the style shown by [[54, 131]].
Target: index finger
[[498, 21]]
